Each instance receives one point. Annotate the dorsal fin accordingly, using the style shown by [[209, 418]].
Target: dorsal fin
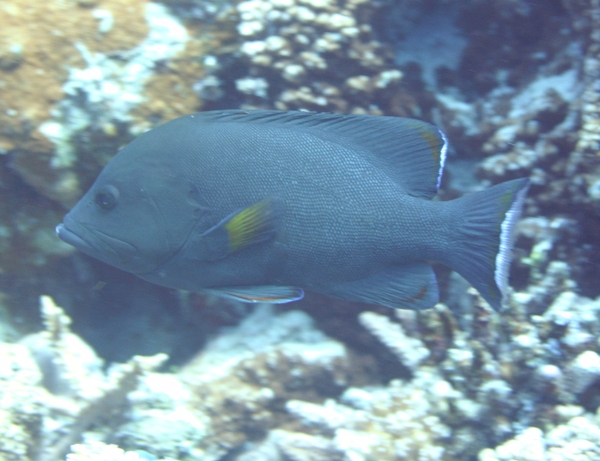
[[410, 151]]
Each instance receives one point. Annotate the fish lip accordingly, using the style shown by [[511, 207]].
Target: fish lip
[[71, 232], [97, 244], [70, 237]]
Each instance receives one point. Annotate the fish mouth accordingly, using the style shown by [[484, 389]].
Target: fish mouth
[[98, 244], [70, 237]]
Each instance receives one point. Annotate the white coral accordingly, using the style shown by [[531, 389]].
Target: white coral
[[410, 351]]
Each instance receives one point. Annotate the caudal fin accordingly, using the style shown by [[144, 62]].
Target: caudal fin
[[485, 236]]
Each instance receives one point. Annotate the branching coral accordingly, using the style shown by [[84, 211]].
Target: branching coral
[[48, 405], [308, 55]]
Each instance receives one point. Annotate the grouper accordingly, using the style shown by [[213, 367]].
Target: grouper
[[260, 205]]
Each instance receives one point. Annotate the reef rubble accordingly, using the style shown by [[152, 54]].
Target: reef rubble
[[277, 388]]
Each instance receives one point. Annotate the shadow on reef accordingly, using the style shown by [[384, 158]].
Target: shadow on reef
[[338, 319], [118, 314]]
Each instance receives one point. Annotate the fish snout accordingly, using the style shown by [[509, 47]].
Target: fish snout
[[98, 244]]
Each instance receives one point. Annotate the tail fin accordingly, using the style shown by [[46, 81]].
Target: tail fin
[[485, 237]]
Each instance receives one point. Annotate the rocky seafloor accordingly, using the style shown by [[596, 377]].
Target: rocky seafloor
[[124, 370]]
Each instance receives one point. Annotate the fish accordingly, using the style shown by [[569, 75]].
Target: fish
[[260, 205]]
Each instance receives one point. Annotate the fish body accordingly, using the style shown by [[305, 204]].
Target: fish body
[[259, 205]]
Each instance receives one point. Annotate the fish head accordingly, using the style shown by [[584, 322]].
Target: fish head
[[136, 215]]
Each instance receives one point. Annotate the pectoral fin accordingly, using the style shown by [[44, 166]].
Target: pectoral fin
[[243, 228], [262, 294]]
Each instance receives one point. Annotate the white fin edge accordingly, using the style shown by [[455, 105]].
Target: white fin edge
[[443, 155], [507, 239]]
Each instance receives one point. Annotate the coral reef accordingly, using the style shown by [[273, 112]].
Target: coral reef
[[507, 373], [579, 439], [277, 388], [95, 85], [235, 390], [410, 351], [298, 54], [53, 389], [398, 421], [240, 382], [99, 451], [22, 403], [78, 81], [537, 117]]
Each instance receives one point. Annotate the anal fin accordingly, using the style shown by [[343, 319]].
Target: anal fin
[[409, 286]]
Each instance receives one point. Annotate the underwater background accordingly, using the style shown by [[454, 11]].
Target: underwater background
[[96, 364]]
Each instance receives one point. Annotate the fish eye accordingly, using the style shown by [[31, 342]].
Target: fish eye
[[107, 197]]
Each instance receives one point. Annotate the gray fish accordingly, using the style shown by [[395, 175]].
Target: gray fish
[[259, 205]]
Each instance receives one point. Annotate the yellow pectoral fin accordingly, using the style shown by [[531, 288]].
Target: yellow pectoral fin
[[251, 225]]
